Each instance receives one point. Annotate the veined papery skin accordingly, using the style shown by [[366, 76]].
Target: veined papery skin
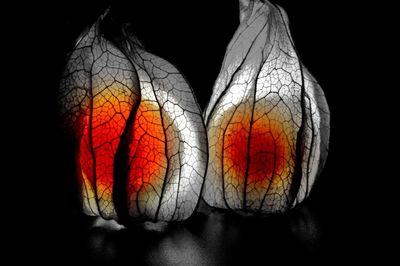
[[141, 145], [267, 120]]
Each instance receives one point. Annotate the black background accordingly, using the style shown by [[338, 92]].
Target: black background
[[341, 221]]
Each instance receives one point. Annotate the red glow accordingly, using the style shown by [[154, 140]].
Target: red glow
[[99, 143], [147, 150], [263, 158]]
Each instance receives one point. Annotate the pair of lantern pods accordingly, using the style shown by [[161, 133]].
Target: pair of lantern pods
[[145, 151]]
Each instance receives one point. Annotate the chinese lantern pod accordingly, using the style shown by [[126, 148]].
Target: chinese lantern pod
[[141, 147], [267, 120]]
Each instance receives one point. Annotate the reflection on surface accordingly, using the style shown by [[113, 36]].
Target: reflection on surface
[[207, 238], [306, 229]]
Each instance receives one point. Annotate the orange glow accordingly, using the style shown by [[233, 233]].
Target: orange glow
[[264, 157], [147, 150], [101, 136]]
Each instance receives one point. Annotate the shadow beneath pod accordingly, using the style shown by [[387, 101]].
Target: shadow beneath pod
[[209, 237]]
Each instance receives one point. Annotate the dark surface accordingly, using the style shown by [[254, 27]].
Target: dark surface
[[211, 238], [340, 222]]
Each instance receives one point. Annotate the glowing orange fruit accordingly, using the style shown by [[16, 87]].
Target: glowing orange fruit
[[140, 138], [267, 120]]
